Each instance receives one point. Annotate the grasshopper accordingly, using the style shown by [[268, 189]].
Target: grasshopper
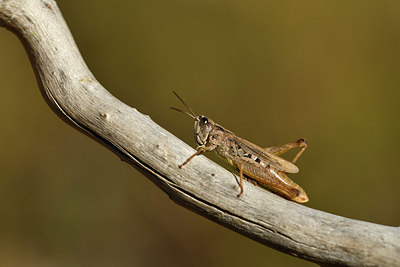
[[262, 165]]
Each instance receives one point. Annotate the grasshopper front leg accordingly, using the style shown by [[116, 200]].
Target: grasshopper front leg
[[199, 151]]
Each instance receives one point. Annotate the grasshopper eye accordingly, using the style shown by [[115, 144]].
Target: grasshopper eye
[[204, 120]]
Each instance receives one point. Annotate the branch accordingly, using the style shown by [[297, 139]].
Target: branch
[[74, 94]]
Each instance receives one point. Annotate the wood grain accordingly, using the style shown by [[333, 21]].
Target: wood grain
[[78, 98]]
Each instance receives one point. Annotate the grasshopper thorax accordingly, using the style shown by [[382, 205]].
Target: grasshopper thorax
[[202, 128]]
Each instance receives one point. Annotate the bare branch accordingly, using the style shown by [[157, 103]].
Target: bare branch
[[202, 186]]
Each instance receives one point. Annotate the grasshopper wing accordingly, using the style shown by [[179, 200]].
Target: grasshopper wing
[[270, 159]]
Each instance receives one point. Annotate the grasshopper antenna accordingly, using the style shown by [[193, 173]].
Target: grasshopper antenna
[[191, 114]]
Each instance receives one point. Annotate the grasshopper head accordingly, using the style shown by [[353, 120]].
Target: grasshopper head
[[202, 128], [202, 125]]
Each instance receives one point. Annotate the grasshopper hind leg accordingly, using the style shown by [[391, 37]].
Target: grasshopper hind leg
[[279, 150]]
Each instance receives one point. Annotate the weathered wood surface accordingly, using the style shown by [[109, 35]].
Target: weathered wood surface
[[202, 186]]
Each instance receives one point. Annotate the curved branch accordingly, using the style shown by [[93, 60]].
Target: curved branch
[[204, 187]]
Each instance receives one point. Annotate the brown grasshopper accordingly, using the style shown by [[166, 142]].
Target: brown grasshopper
[[260, 164]]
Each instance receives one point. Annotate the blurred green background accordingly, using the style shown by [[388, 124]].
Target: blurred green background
[[271, 71]]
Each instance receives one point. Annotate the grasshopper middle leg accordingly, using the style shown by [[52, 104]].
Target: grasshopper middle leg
[[241, 181]]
